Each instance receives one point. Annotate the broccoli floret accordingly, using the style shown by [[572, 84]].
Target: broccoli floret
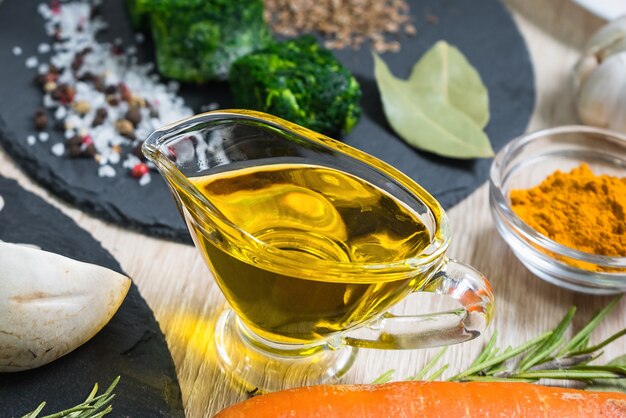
[[198, 40], [301, 81]]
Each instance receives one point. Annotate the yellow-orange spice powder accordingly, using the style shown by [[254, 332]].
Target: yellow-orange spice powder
[[577, 209]]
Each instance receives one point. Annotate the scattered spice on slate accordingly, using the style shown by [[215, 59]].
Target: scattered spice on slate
[[41, 119], [343, 22], [125, 128], [139, 170], [31, 62], [103, 102], [432, 19], [100, 117], [43, 48], [133, 115]]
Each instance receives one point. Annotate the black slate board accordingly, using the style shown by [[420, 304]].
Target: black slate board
[[483, 30], [131, 345]]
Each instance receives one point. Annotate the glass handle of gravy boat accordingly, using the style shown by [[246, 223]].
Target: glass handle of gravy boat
[[457, 280]]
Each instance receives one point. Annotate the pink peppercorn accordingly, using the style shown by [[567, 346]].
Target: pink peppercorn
[[55, 6], [139, 170]]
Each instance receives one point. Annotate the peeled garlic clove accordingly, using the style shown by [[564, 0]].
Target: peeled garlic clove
[[602, 96], [50, 305]]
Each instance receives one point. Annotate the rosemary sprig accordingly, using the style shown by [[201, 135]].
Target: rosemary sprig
[[542, 351], [499, 359], [428, 367], [548, 356], [385, 377], [92, 407], [580, 340]]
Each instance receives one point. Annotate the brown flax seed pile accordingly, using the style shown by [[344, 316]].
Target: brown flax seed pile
[[342, 22]]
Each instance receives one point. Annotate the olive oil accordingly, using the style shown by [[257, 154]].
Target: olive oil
[[311, 215]]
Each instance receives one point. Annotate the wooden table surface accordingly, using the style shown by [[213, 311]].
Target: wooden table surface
[[179, 288]]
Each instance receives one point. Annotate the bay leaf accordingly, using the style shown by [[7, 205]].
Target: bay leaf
[[426, 122], [443, 73]]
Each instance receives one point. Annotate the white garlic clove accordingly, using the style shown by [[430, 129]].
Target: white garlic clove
[[50, 305], [602, 96], [609, 40]]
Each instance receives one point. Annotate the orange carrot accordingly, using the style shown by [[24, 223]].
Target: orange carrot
[[431, 399]]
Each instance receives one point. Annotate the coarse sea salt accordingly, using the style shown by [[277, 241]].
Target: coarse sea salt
[[31, 140], [43, 136], [106, 171], [43, 68], [98, 75], [17, 51], [31, 62], [43, 48], [114, 158], [60, 113], [58, 149], [1, 203], [145, 179]]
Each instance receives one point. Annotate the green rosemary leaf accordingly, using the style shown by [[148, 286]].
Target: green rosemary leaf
[[91, 407], [610, 385], [573, 374], [555, 340], [103, 413], [600, 345], [497, 379], [428, 366], [501, 365], [613, 368], [72, 412], [498, 368], [583, 344], [566, 362], [487, 351], [500, 358], [385, 377], [584, 333], [437, 373], [99, 404], [36, 411]]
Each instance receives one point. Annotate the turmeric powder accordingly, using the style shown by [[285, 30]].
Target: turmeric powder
[[577, 209]]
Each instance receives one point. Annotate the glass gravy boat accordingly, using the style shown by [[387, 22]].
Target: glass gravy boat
[[311, 242]]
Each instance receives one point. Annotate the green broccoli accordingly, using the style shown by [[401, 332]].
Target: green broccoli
[[301, 81], [198, 40]]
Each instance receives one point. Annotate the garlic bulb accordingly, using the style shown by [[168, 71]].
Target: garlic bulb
[[600, 78], [50, 305]]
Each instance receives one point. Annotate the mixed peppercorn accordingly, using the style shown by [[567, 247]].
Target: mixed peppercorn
[[96, 95]]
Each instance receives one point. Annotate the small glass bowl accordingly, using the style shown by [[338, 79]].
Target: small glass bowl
[[527, 161]]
